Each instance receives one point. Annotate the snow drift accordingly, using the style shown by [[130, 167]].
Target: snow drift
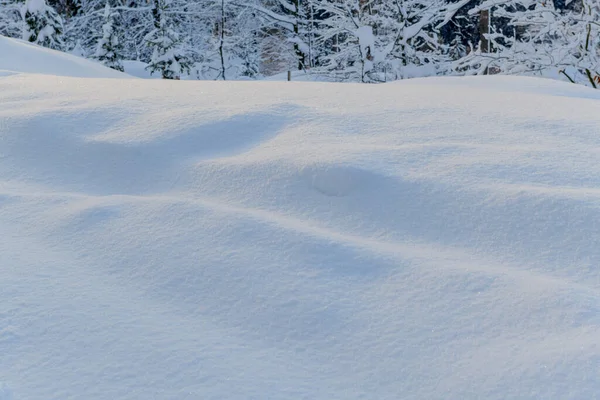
[[20, 56], [429, 239]]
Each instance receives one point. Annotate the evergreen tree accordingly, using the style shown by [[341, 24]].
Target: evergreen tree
[[168, 55], [108, 50], [10, 18], [41, 24]]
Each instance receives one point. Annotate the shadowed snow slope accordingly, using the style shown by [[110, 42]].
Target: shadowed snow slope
[[428, 239], [17, 55]]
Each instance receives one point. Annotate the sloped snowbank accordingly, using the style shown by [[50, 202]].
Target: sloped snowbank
[[429, 239], [20, 56]]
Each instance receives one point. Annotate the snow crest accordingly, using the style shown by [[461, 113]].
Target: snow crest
[[23, 57]]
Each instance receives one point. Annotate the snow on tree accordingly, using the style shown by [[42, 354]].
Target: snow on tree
[[168, 55], [356, 40], [238, 37], [10, 18], [289, 26], [244, 44], [376, 41], [81, 29], [229, 47], [41, 24], [108, 50], [544, 40], [78, 50], [349, 35], [86, 21], [66, 8]]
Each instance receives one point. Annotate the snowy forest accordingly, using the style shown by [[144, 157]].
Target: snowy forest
[[338, 40]]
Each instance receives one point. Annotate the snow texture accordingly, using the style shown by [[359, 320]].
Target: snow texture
[[20, 56], [5, 393], [428, 239]]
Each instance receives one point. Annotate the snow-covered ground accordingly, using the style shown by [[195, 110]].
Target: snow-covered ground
[[19, 56], [428, 239], [138, 69]]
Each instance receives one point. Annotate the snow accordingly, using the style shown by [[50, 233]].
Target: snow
[[20, 56], [427, 239], [366, 42], [138, 69], [4, 392], [35, 6]]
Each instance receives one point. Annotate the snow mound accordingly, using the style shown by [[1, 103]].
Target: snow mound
[[430, 239], [20, 56]]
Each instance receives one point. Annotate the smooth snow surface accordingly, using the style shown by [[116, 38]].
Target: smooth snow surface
[[4, 392], [138, 69], [20, 56], [428, 239]]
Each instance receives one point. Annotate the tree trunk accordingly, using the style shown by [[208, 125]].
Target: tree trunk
[[484, 29], [222, 40], [299, 53]]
